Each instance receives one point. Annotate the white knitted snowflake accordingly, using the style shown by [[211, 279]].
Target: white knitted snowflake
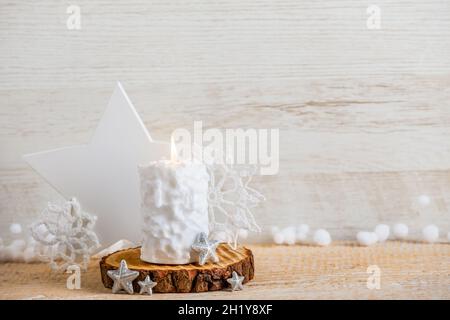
[[230, 201], [68, 233]]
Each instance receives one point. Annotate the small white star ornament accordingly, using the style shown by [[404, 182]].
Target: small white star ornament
[[236, 282], [106, 167], [147, 286], [206, 249], [123, 278]]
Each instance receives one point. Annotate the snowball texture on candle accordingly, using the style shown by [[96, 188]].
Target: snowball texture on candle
[[174, 206]]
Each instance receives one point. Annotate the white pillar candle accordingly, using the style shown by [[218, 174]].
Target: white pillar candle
[[174, 205]]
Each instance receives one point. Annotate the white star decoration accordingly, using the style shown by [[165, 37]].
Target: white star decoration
[[103, 174], [236, 281], [123, 278], [147, 286], [206, 249]]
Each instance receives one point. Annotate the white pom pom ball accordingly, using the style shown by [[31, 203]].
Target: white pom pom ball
[[424, 200], [14, 252], [400, 231], [289, 239], [382, 231], [15, 228], [366, 238], [430, 233], [29, 255], [301, 232], [322, 237], [289, 235], [278, 238]]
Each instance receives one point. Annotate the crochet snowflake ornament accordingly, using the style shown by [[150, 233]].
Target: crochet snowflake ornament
[[68, 233], [230, 201]]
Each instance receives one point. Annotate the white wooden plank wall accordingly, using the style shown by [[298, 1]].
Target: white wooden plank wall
[[364, 115]]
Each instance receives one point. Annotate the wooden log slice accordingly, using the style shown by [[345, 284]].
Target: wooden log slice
[[183, 278]]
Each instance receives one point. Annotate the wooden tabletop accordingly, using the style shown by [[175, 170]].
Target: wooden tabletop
[[407, 271]]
